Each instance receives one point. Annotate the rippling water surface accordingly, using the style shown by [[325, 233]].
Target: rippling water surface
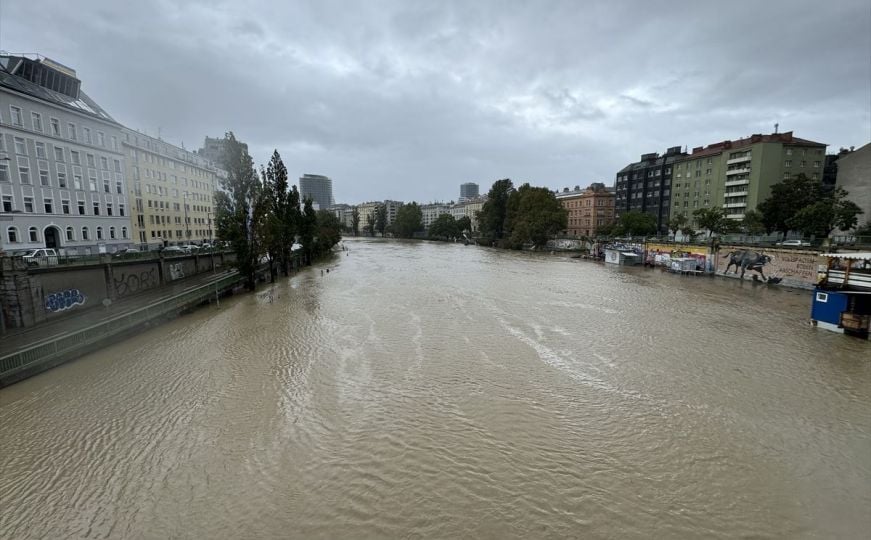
[[440, 391]]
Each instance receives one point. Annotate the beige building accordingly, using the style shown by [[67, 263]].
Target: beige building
[[588, 209], [854, 175], [172, 191]]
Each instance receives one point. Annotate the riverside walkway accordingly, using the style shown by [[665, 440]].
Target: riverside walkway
[[26, 351]]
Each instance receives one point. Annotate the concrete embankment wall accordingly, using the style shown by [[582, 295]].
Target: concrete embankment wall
[[30, 295]]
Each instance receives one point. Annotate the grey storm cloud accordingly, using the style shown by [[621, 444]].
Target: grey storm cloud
[[408, 99]]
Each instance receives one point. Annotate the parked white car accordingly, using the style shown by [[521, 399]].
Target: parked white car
[[794, 243], [40, 257]]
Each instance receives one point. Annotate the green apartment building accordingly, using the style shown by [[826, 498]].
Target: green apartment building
[[738, 175]]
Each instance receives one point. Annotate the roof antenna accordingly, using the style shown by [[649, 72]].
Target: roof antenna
[[776, 125]]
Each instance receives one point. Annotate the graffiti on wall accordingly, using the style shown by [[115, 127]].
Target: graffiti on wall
[[133, 282], [662, 254], [780, 264], [176, 271], [63, 300]]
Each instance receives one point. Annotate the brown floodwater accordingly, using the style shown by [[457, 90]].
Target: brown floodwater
[[426, 390]]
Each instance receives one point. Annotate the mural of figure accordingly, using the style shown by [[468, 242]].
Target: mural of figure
[[747, 260]]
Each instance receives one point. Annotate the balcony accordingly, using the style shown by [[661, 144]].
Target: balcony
[[742, 193], [735, 205], [742, 170], [741, 182], [738, 159]]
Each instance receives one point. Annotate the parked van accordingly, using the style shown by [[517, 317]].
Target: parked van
[[40, 257]]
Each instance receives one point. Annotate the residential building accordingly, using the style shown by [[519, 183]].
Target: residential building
[[472, 207], [392, 209], [317, 188], [588, 209], [213, 150], [469, 190], [738, 175], [172, 189], [431, 212], [61, 165], [645, 186], [345, 214], [365, 210], [854, 175]]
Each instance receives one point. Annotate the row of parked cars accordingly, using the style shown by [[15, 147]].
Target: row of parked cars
[[49, 256]]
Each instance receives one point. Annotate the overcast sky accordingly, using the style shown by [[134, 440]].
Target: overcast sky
[[406, 100]]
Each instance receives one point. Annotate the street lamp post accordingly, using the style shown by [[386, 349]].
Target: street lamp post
[[187, 227], [212, 250]]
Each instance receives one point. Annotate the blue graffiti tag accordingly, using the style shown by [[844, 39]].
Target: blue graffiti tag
[[62, 300]]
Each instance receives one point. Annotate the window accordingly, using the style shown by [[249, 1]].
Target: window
[[803, 163], [20, 146], [104, 163], [115, 147], [28, 204], [12, 235], [99, 233], [123, 232], [4, 171], [101, 139], [37, 121], [787, 163], [120, 209], [82, 209], [96, 205], [816, 164], [92, 179], [70, 234], [55, 127], [75, 158], [789, 151], [58, 154], [85, 233], [40, 150], [43, 173], [108, 209], [33, 234], [822, 297], [786, 176], [708, 172], [15, 116], [71, 131], [65, 206], [7, 203], [117, 165], [77, 179], [24, 173], [49, 209], [86, 134], [92, 162], [112, 233]]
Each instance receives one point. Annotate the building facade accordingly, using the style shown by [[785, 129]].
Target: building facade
[[588, 209], [431, 212], [62, 175], [854, 175], [469, 190], [317, 188], [172, 191], [738, 175], [213, 151], [645, 186]]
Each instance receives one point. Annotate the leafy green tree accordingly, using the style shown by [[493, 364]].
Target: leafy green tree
[[329, 231], [753, 222], [307, 230], [831, 211], [677, 223], [381, 219], [787, 199], [370, 223], [445, 226], [235, 218], [491, 218], [282, 214], [635, 223], [409, 219], [355, 221], [464, 224], [713, 220], [534, 215]]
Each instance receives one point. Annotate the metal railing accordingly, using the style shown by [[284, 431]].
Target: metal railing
[[103, 258], [75, 340]]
